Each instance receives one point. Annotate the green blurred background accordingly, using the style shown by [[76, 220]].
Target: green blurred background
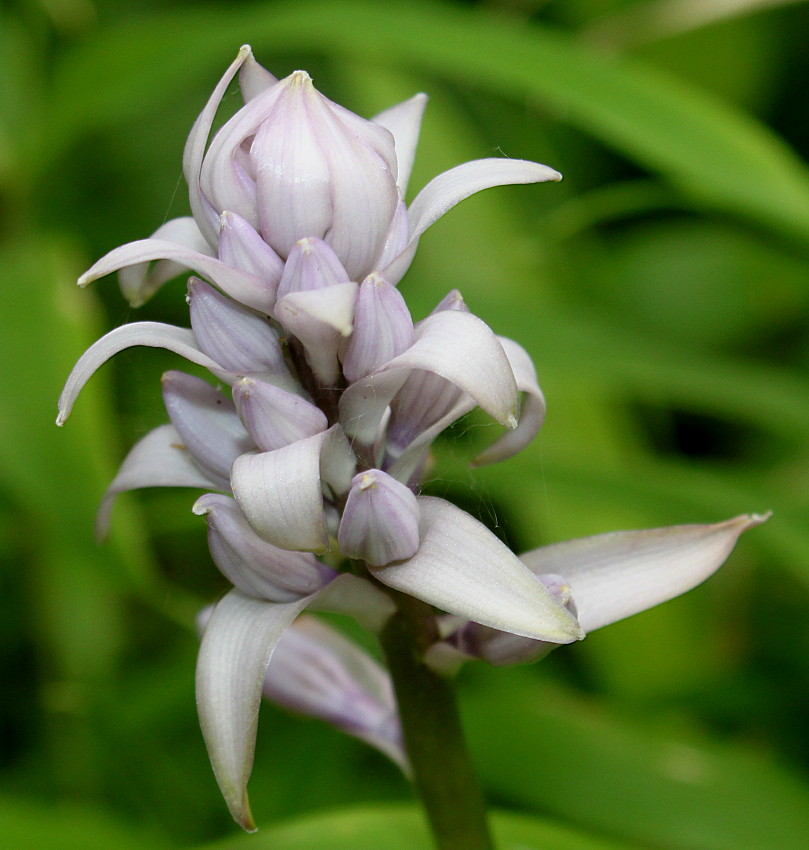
[[663, 291]]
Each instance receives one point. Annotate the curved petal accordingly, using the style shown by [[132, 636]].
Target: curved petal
[[615, 575], [241, 247], [451, 344], [140, 281], [194, 151], [151, 334], [160, 459], [254, 79], [317, 672], [244, 287], [239, 639], [532, 409], [280, 492], [462, 568], [404, 122], [453, 186]]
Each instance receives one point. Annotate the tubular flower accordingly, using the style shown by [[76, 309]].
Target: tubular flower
[[327, 399]]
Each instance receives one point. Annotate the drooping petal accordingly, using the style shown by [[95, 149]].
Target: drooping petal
[[380, 520], [404, 122], [241, 247], [320, 319], [255, 566], [242, 341], [194, 152], [160, 459], [274, 417], [383, 328], [317, 672], [462, 568], [239, 639], [453, 345], [140, 281], [453, 186], [532, 409], [150, 334], [615, 575], [280, 492], [207, 423], [244, 287]]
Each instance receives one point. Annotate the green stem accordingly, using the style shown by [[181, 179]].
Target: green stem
[[442, 770]]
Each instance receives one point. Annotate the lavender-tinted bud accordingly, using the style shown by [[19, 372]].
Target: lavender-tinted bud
[[274, 417], [311, 265], [380, 521], [253, 565], [241, 246], [453, 300], [383, 328]]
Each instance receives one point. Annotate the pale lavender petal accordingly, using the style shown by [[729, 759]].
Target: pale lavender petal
[[404, 122], [274, 417], [240, 636], [380, 522], [150, 334], [383, 328], [244, 287], [241, 247], [317, 672], [311, 264], [396, 242], [453, 186], [532, 409], [255, 566], [160, 459], [320, 319], [254, 79], [615, 575], [140, 281], [280, 492], [453, 345], [244, 342], [194, 151], [453, 300], [463, 569], [207, 423]]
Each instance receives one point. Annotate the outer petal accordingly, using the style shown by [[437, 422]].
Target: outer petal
[[254, 79], [241, 285], [453, 186], [532, 410], [151, 334], [239, 639], [318, 672], [194, 151], [454, 345], [140, 281], [241, 247], [404, 122], [615, 575], [280, 492], [462, 568], [160, 459]]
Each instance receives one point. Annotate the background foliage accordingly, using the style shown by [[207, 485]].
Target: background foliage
[[663, 292]]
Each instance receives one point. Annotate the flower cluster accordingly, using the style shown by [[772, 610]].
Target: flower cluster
[[312, 444]]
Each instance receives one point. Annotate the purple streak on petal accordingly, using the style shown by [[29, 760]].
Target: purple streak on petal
[[383, 328], [380, 521], [274, 417], [160, 459], [207, 423], [151, 334], [255, 566]]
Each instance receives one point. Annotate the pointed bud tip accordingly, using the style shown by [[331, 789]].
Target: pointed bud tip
[[61, 417]]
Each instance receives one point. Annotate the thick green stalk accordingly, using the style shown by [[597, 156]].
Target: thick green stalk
[[442, 770]]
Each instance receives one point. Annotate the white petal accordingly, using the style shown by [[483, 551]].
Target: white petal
[[532, 409], [462, 568], [239, 639], [140, 281], [404, 122], [244, 287], [160, 459], [615, 575], [454, 345], [254, 78], [195, 148], [151, 334]]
